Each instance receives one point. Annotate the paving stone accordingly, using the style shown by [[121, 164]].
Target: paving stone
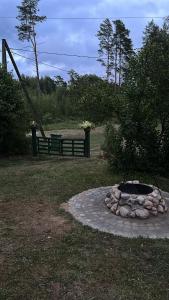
[[89, 208]]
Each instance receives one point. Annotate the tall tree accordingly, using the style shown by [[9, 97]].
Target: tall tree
[[122, 49], [142, 139], [29, 18], [106, 55]]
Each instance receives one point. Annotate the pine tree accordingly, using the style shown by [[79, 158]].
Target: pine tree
[[28, 17], [122, 45], [106, 55]]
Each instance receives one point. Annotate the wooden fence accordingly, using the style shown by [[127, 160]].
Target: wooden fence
[[57, 145]]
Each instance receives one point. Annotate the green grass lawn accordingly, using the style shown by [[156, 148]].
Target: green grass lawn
[[46, 254]]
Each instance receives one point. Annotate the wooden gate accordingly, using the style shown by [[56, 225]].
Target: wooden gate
[[56, 145]]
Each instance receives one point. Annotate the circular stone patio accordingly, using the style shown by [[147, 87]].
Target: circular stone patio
[[89, 208]]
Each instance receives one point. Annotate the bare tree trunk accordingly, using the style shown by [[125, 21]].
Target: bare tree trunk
[[107, 71], [120, 63], [34, 44], [108, 63], [37, 69], [115, 66]]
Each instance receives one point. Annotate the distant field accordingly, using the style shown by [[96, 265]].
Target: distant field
[[67, 124]]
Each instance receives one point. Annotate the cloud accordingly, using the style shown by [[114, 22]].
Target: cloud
[[76, 36]]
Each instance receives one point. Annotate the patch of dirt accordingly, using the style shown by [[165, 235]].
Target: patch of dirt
[[55, 289], [34, 219]]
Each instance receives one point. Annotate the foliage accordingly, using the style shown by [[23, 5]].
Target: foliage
[[47, 84], [105, 36], [115, 48], [92, 98], [28, 17], [86, 96], [122, 45], [59, 82], [12, 116], [141, 141]]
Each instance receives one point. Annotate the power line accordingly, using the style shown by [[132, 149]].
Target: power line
[[56, 53], [42, 63], [63, 54], [95, 18], [102, 18]]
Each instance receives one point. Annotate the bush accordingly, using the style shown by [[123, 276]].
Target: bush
[[12, 116], [136, 148], [142, 140]]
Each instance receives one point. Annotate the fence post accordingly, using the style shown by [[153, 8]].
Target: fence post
[[87, 142], [34, 140]]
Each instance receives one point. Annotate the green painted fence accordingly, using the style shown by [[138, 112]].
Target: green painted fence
[[56, 145]]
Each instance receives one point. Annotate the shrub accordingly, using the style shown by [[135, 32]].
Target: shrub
[[141, 142], [12, 116]]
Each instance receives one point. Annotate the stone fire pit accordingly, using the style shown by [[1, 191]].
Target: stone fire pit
[[133, 199]]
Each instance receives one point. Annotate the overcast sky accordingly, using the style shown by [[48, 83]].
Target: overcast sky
[[76, 36]]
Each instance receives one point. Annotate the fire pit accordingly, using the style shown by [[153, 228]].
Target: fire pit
[[133, 199]]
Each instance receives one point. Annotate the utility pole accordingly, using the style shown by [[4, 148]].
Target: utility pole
[[5, 48], [4, 60]]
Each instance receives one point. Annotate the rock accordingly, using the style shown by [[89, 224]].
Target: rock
[[148, 204], [124, 211], [114, 207], [162, 202], [125, 196], [160, 209], [150, 198], [109, 205], [155, 193], [117, 212], [107, 200], [136, 181], [154, 208], [156, 201], [123, 202], [132, 214], [165, 208], [113, 199], [133, 201], [142, 213], [141, 200], [154, 213], [117, 194], [108, 195], [116, 185], [159, 196]]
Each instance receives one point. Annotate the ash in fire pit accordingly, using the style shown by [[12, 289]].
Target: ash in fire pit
[[133, 199]]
